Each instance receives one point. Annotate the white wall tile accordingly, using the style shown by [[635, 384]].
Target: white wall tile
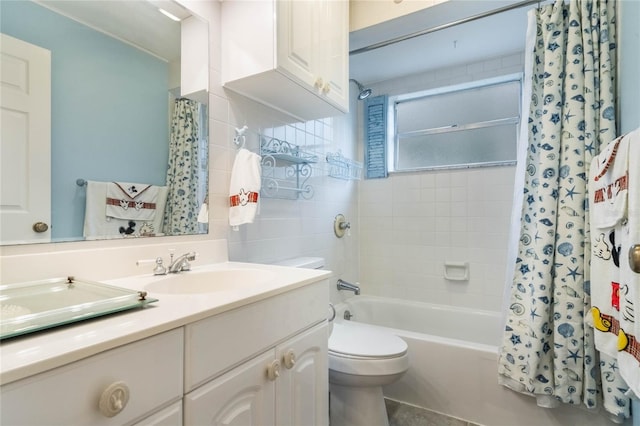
[[459, 215], [403, 227]]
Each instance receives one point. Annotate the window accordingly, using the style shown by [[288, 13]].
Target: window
[[469, 125]]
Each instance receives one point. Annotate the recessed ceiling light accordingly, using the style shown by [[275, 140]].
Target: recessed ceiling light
[[169, 15]]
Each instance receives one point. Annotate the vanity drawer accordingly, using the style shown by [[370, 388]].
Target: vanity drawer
[[214, 345], [151, 369], [170, 416]]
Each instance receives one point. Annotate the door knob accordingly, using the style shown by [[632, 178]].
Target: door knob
[[40, 227], [634, 258]]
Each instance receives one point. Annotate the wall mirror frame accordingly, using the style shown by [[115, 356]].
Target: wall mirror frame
[[115, 79]]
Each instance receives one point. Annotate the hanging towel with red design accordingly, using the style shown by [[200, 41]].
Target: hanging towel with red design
[[131, 201], [244, 188], [614, 208]]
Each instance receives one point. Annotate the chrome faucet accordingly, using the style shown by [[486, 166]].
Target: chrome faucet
[[343, 285], [181, 263]]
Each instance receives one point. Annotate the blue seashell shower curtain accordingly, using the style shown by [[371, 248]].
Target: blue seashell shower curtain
[[548, 349], [182, 170]]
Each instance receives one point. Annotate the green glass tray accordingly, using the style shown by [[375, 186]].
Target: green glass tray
[[38, 305]]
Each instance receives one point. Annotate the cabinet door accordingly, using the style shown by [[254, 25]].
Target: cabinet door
[[334, 46], [297, 41], [303, 386], [242, 397]]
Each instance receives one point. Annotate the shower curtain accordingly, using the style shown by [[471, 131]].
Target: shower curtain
[[182, 172], [548, 349]]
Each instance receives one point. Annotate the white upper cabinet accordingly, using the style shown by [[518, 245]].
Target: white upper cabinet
[[289, 54]]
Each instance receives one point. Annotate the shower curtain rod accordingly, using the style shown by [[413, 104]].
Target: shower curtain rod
[[443, 26]]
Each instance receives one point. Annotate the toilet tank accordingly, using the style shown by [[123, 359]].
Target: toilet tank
[[303, 262]]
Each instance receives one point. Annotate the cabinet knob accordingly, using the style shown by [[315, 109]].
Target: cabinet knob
[[326, 88], [319, 83], [289, 359], [273, 371], [113, 399]]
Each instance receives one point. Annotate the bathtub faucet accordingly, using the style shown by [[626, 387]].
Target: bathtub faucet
[[343, 285]]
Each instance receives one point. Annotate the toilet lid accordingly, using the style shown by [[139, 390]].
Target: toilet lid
[[350, 340]]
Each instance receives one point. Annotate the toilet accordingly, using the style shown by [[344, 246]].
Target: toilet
[[361, 361]]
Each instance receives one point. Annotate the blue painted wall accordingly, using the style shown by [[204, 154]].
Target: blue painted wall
[[109, 105], [629, 43]]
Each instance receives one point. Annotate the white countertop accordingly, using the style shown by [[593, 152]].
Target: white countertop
[[31, 354]]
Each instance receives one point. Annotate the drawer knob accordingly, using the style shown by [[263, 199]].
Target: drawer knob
[[289, 359], [273, 371], [114, 398]]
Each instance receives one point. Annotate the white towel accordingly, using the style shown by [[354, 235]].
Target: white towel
[[607, 210], [97, 225], [244, 188], [132, 201], [605, 285], [629, 315], [609, 184], [203, 214], [615, 288]]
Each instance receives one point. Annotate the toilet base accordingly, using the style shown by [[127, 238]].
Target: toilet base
[[357, 406]]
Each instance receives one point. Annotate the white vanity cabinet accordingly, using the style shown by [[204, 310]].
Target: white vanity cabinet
[[260, 359], [262, 364], [295, 57], [119, 386], [285, 386]]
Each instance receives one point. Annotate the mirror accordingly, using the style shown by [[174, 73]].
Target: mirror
[[114, 85]]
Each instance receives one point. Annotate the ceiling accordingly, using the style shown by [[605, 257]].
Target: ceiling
[[135, 22], [484, 38], [140, 23]]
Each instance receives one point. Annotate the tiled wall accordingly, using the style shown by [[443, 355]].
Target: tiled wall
[[412, 223], [403, 228], [283, 228]]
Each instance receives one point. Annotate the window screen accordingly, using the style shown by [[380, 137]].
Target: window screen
[[461, 126]]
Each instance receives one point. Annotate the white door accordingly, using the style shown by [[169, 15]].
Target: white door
[[25, 141]]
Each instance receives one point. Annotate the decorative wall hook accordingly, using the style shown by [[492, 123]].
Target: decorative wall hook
[[239, 139]]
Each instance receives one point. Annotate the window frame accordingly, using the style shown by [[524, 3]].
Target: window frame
[[393, 137]]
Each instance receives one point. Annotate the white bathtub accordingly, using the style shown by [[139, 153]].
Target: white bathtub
[[453, 363]]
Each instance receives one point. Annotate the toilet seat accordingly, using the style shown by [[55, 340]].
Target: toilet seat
[[351, 341], [365, 352]]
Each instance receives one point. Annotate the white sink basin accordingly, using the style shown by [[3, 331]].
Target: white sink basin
[[208, 281]]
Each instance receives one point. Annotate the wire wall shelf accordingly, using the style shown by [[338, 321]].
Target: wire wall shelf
[[341, 167], [283, 150], [286, 170]]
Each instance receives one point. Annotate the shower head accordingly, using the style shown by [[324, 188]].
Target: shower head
[[364, 92]]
